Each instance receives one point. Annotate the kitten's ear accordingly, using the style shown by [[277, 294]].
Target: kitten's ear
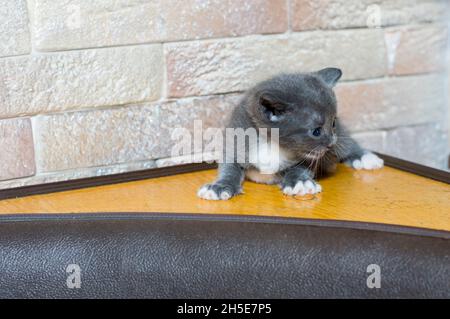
[[271, 107], [330, 76]]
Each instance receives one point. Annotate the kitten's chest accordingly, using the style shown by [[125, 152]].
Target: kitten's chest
[[268, 157]]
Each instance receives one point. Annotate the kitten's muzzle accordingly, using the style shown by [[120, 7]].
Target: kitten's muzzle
[[331, 143], [317, 154]]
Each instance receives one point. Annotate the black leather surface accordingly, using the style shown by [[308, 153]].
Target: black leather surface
[[181, 257]]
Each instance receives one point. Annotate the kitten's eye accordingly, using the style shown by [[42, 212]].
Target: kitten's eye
[[334, 123], [317, 131]]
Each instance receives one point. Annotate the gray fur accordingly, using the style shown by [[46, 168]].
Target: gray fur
[[296, 104]]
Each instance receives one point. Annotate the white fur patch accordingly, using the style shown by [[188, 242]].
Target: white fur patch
[[303, 188], [209, 194], [368, 161], [268, 158], [256, 176]]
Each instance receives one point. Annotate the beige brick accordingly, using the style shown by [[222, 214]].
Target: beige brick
[[423, 144], [16, 149], [96, 138], [212, 111], [70, 24], [339, 14], [448, 92], [14, 32], [66, 175], [417, 49], [219, 66], [79, 79], [387, 103], [186, 159], [121, 135], [374, 141]]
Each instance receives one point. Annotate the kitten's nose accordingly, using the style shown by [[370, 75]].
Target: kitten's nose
[[332, 142]]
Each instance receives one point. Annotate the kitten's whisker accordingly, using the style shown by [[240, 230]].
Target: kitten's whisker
[[305, 157], [339, 151]]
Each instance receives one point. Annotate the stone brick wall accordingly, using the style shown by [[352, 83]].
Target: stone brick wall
[[94, 87], [448, 96]]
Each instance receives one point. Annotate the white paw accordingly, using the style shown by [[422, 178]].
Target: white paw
[[368, 161], [213, 193], [303, 188]]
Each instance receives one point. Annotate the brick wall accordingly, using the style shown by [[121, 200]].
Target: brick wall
[[448, 95], [94, 87]]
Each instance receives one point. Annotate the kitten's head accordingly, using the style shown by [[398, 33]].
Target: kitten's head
[[302, 107]]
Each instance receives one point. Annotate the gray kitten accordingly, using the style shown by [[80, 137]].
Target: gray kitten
[[311, 139]]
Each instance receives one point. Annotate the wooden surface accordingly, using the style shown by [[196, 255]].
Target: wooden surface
[[385, 196]]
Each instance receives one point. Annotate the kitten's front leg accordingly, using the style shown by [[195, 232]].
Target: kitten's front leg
[[299, 180], [350, 153], [228, 183], [368, 161]]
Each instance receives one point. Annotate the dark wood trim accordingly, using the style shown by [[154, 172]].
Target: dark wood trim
[[418, 169], [102, 180], [403, 165]]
